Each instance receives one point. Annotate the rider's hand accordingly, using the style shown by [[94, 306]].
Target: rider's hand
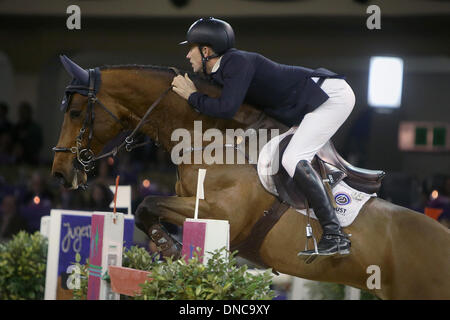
[[183, 86]]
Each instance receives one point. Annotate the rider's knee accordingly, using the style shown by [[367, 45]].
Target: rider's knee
[[350, 98], [291, 158], [289, 162]]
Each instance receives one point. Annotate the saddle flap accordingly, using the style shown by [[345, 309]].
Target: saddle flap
[[285, 185], [333, 174]]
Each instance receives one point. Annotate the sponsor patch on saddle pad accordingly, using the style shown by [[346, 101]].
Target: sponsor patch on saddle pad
[[349, 200]]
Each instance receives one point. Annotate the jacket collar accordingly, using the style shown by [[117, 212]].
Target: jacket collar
[[217, 65], [218, 62]]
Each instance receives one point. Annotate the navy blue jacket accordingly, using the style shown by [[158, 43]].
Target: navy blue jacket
[[283, 92]]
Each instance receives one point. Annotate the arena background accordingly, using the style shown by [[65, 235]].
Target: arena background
[[311, 33]]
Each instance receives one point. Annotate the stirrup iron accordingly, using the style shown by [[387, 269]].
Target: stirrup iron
[[308, 258]]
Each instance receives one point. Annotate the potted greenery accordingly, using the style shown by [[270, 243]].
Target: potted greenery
[[219, 279], [23, 261]]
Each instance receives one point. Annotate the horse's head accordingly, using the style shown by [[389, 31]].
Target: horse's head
[[88, 125]]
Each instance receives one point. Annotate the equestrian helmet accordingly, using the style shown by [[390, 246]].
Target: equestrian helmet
[[213, 32]]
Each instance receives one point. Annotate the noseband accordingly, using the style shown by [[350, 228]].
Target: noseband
[[84, 155]]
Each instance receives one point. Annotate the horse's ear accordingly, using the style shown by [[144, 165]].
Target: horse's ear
[[75, 70]]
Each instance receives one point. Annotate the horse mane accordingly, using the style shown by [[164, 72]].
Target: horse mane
[[252, 115], [144, 67]]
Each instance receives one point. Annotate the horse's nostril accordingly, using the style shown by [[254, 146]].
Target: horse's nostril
[[60, 177]]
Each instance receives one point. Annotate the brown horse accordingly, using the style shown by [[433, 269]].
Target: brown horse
[[411, 250]]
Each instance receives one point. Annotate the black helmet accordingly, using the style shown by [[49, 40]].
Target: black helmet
[[213, 32]]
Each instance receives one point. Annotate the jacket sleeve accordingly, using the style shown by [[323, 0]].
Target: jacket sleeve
[[237, 76]]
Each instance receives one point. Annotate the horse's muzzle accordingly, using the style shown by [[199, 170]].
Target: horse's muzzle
[[60, 177]]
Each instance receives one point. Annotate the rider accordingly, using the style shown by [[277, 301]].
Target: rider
[[318, 101]]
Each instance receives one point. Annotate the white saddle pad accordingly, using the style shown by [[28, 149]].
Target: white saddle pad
[[349, 200]]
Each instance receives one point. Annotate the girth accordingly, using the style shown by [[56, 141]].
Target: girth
[[249, 248]]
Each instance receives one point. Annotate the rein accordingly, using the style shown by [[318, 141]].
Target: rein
[[85, 156]]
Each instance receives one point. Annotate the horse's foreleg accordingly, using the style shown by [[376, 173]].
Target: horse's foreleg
[[168, 209], [154, 210]]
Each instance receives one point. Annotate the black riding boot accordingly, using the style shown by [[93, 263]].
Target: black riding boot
[[333, 240]]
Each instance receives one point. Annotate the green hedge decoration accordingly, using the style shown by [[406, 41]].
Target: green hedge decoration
[[220, 279], [23, 261]]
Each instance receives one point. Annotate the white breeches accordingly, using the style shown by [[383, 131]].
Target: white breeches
[[318, 126]]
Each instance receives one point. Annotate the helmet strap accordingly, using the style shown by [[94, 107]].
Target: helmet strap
[[206, 59]]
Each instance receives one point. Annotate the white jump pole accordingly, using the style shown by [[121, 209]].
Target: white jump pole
[[200, 190]]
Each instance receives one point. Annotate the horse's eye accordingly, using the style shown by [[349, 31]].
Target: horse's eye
[[75, 113]]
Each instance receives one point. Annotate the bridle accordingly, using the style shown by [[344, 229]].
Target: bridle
[[85, 156]]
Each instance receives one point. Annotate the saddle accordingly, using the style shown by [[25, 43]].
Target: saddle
[[332, 168]]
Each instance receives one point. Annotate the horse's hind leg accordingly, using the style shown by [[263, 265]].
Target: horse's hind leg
[[154, 210]]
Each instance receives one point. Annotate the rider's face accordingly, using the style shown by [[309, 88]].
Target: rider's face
[[195, 58]]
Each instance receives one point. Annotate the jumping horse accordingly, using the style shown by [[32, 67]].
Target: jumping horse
[[411, 250]]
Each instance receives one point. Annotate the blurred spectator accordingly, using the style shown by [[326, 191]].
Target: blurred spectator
[[36, 202], [10, 220], [445, 217], [438, 205], [6, 145], [105, 171], [357, 142], [37, 186], [136, 197], [5, 188], [129, 169], [100, 197], [27, 136], [399, 188], [70, 199], [6, 138], [422, 195], [5, 124]]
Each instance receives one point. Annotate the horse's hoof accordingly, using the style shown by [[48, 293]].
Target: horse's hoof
[[165, 244]]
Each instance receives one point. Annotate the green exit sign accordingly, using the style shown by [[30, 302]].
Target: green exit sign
[[424, 136], [439, 135], [421, 136]]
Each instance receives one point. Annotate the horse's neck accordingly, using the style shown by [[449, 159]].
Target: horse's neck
[[138, 89]]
